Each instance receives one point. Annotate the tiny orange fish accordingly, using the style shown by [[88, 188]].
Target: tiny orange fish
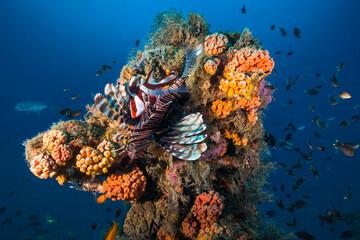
[[345, 95], [113, 232], [101, 199]]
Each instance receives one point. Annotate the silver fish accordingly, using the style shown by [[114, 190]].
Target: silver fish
[[30, 106]]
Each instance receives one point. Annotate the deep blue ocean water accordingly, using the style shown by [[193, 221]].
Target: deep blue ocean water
[[47, 46]]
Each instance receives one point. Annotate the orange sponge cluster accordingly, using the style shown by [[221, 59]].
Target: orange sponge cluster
[[211, 65], [53, 138], [207, 208], [235, 138], [96, 161], [43, 166], [215, 43], [128, 187], [190, 227], [235, 85], [249, 59]]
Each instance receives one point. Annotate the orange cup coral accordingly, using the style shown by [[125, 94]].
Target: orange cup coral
[[62, 153], [128, 187], [53, 138], [215, 43], [210, 66], [43, 166]]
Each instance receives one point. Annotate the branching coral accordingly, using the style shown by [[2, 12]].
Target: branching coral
[[128, 187]]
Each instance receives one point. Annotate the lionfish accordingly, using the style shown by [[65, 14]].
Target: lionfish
[[140, 106]]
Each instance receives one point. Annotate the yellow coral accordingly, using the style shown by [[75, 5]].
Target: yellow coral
[[96, 161], [210, 67], [237, 140]]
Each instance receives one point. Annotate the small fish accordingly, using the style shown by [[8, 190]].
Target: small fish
[[114, 61], [3, 209], [272, 88], [12, 193], [94, 225], [7, 221], [51, 219], [270, 140], [280, 204], [335, 214], [321, 148], [297, 149], [288, 85], [347, 234], [297, 33], [282, 165], [75, 96], [332, 100], [282, 187], [272, 27], [316, 119], [66, 89], [278, 52], [315, 172], [18, 213], [347, 196], [355, 117], [312, 92], [137, 43], [243, 10], [101, 199], [345, 95], [290, 209], [310, 145], [334, 81], [286, 145], [322, 124], [299, 165], [290, 53], [275, 72], [112, 232], [312, 107], [98, 72], [297, 77], [288, 195], [271, 213], [340, 66], [289, 102], [288, 137], [118, 213], [290, 172], [317, 134], [299, 204], [300, 180], [318, 75], [305, 197], [106, 67], [283, 33], [344, 123], [291, 127], [305, 156], [326, 219], [292, 224], [347, 148], [75, 113]]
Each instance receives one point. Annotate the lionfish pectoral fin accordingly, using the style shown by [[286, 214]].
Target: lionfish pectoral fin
[[185, 139]]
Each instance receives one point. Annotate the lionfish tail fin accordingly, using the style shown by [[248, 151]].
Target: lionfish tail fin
[[192, 54], [185, 139]]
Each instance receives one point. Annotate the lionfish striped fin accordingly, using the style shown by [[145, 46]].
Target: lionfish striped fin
[[179, 134], [184, 140], [102, 104], [187, 152], [112, 100], [192, 54]]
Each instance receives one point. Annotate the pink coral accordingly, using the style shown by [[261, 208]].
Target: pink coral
[[43, 166], [62, 153], [215, 43], [53, 138]]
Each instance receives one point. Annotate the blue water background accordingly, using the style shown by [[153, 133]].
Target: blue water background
[[47, 46]]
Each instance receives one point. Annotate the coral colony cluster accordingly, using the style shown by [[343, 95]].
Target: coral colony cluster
[[179, 136]]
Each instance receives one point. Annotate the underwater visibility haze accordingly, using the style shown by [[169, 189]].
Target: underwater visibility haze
[[186, 120]]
